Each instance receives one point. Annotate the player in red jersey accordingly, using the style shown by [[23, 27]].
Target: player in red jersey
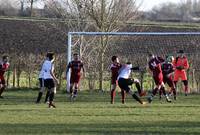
[[75, 65], [181, 66], [168, 70], [155, 67], [115, 66], [4, 65]]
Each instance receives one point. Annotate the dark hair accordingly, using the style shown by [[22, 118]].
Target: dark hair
[[114, 58], [180, 51], [50, 55], [75, 54], [4, 57], [128, 62]]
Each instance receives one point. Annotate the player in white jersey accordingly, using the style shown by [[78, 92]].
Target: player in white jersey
[[49, 78], [42, 88], [124, 81]]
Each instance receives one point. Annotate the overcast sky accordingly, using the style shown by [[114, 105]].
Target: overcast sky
[[145, 5], [148, 4]]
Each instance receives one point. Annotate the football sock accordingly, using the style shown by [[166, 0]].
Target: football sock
[[39, 97], [137, 98], [123, 96], [154, 92], [51, 97], [138, 87], [71, 89], [1, 90], [47, 96], [75, 91]]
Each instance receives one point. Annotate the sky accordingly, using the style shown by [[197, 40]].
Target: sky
[[146, 5]]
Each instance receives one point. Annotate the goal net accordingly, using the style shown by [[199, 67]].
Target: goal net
[[97, 48]]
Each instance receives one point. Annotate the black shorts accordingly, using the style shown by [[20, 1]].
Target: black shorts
[[41, 81], [124, 84], [49, 83]]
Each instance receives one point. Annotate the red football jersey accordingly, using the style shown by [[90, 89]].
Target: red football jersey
[[155, 65], [114, 70], [75, 67], [3, 68]]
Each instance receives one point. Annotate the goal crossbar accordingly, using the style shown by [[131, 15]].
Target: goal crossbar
[[70, 34]]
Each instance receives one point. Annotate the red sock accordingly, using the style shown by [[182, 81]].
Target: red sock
[[186, 89]]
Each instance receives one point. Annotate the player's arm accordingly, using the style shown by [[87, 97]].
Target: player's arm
[[135, 68], [53, 75], [160, 59], [186, 64]]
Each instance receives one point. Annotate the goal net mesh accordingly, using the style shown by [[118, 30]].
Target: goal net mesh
[[135, 48]]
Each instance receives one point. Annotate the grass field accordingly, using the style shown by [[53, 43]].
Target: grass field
[[92, 114]]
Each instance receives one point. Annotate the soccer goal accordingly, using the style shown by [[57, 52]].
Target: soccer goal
[[133, 47]]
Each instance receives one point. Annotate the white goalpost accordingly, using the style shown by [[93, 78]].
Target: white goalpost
[[71, 34]]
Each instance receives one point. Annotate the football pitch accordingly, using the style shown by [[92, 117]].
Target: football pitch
[[93, 114]]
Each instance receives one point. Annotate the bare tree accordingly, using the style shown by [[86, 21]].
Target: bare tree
[[98, 15]]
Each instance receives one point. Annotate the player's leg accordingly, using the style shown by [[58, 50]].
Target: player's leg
[[159, 82], [185, 82], [51, 88], [164, 93], [171, 84], [76, 85], [123, 94], [122, 85], [75, 90], [47, 97], [113, 93], [42, 88], [139, 89], [129, 91], [186, 88], [2, 86]]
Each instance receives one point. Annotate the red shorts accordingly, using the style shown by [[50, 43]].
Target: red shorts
[[180, 74], [2, 80], [75, 78], [158, 79]]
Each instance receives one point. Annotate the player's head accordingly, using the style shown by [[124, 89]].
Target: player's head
[[170, 59], [151, 55], [5, 58], [75, 56], [180, 53], [129, 64], [115, 59], [50, 56]]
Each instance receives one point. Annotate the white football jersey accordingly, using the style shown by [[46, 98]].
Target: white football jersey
[[47, 67], [125, 71]]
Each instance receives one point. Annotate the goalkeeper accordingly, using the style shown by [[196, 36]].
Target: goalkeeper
[[181, 65]]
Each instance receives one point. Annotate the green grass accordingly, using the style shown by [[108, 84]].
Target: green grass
[[92, 114]]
